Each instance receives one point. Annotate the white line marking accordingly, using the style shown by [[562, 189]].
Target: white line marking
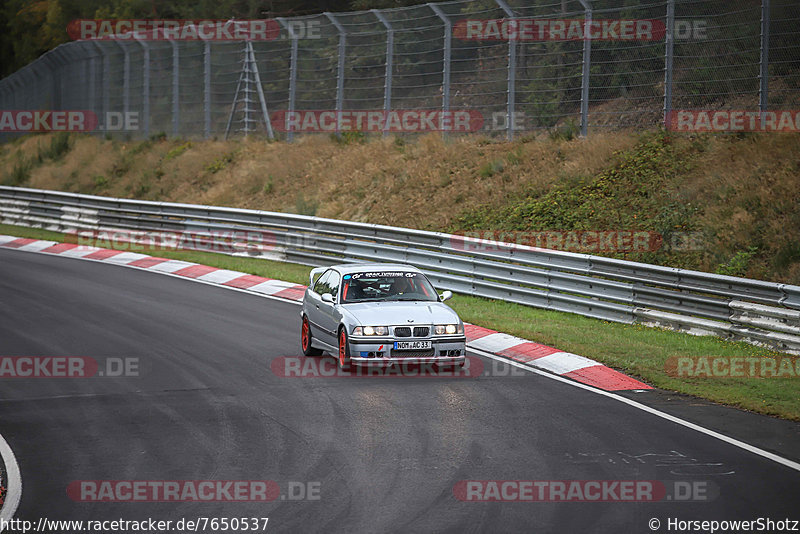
[[658, 413], [14, 489], [732, 441]]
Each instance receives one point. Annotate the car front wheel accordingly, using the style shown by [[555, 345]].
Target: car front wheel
[[305, 340], [344, 350]]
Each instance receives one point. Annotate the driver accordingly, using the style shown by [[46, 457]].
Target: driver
[[402, 285]]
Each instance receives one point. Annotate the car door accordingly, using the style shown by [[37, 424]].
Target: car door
[[312, 304], [329, 312]]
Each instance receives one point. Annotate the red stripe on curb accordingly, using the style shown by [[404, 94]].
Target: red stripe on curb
[[195, 271], [60, 247], [292, 293], [605, 378], [529, 351], [102, 254], [246, 281], [146, 263], [21, 242], [474, 332]]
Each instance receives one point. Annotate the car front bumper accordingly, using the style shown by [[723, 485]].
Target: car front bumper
[[369, 351]]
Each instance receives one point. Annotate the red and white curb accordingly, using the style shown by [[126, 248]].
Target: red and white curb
[[531, 354], [12, 482]]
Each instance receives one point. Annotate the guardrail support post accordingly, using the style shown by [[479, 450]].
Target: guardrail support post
[[448, 46], [763, 88], [292, 72], [512, 75], [387, 83], [668, 57]]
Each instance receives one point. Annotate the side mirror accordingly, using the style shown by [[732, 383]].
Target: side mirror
[[447, 295], [327, 297]]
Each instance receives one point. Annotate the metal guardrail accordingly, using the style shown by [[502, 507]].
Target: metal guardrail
[[605, 288]]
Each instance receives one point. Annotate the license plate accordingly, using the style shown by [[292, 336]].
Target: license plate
[[412, 345]]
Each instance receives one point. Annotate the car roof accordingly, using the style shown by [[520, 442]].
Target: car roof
[[350, 268]]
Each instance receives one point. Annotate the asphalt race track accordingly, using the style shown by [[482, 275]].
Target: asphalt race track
[[386, 453]]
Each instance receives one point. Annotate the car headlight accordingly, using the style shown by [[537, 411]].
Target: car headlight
[[441, 329], [371, 331]]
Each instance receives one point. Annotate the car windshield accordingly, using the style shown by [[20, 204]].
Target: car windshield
[[386, 286]]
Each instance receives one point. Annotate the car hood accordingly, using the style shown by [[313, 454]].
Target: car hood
[[399, 313]]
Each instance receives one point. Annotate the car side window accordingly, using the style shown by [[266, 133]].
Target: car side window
[[322, 283], [334, 280]]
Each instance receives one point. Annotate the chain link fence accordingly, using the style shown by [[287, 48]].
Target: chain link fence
[[516, 66]]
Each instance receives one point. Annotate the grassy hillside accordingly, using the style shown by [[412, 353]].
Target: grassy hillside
[[739, 194]]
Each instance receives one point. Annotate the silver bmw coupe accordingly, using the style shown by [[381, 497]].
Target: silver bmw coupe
[[379, 314]]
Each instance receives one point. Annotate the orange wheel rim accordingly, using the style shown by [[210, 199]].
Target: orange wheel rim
[[305, 334], [341, 347]]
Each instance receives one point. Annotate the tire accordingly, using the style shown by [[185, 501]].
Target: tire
[[305, 340], [344, 351]]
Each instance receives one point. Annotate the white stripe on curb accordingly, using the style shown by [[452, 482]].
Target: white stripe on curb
[[126, 257], [497, 342], [14, 488], [36, 246], [171, 266], [221, 276], [562, 363]]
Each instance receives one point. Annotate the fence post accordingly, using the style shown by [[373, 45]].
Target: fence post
[[106, 81], [339, 69], [763, 89], [126, 79], [512, 75], [587, 64], [292, 73], [145, 86], [448, 46], [668, 56], [206, 89], [260, 90], [176, 108], [387, 80]]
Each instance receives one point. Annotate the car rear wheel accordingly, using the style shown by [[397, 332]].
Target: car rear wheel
[[344, 350], [305, 340]]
